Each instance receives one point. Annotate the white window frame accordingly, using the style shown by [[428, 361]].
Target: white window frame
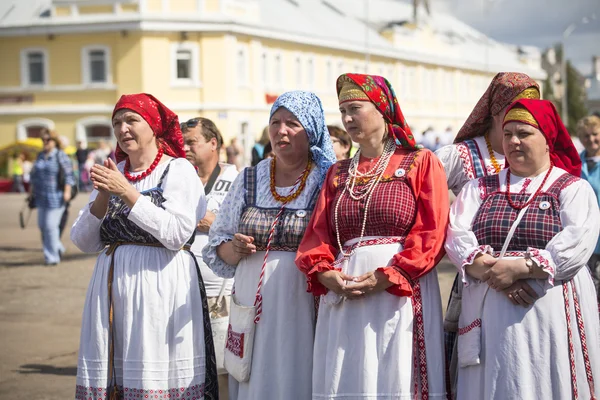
[[265, 75], [25, 67], [298, 70], [194, 80], [86, 70], [310, 72], [330, 73], [278, 71], [82, 124], [243, 75], [23, 124]]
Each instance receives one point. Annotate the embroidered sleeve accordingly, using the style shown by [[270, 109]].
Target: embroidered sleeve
[[318, 248], [453, 167], [543, 260], [85, 233], [461, 244], [224, 227], [424, 244], [175, 222], [570, 249]]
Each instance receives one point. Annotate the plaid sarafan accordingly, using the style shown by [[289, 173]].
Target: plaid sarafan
[[392, 209], [256, 221], [539, 225]]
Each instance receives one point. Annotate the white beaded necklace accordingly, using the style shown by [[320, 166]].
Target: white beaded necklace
[[368, 190]]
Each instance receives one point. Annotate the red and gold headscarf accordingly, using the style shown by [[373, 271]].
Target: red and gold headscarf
[[541, 114], [505, 88], [162, 120], [378, 91]]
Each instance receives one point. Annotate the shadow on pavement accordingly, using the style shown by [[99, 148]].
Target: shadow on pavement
[[44, 369], [36, 262]]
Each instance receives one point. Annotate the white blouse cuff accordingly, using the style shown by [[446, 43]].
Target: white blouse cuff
[[483, 249], [543, 260], [214, 262]]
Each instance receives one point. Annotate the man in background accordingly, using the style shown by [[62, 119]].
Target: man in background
[[203, 142]]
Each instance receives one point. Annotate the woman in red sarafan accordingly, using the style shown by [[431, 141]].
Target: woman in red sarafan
[[370, 249]]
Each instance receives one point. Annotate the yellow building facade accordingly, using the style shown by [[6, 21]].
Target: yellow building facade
[[64, 66]]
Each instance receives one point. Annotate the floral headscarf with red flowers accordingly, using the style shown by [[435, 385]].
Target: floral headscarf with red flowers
[[505, 88], [162, 120], [379, 92]]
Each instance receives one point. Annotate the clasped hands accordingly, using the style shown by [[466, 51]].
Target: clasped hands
[[508, 276], [109, 180], [354, 287]]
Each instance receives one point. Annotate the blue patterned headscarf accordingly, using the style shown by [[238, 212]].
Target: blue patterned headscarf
[[307, 108]]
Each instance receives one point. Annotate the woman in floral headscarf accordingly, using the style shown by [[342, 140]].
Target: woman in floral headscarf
[[370, 251], [529, 324], [477, 152], [145, 331], [278, 192]]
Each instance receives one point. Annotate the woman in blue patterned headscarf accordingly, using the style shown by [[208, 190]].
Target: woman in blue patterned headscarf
[[276, 196]]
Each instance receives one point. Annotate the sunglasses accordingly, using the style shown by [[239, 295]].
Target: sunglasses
[[192, 123], [45, 140]]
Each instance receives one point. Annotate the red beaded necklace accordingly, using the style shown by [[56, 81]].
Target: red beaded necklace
[[147, 172], [537, 192]]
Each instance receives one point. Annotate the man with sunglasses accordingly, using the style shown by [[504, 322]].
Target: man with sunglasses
[[202, 144]]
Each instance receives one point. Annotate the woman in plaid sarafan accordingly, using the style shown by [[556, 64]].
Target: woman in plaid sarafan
[[477, 152], [370, 251], [529, 323], [282, 189]]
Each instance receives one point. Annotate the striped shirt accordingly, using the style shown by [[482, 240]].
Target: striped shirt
[[44, 178]]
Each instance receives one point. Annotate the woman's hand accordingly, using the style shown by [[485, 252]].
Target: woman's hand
[[520, 293], [243, 245], [335, 281], [370, 283], [502, 273], [108, 178]]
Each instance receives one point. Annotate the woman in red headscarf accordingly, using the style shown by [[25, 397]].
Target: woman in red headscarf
[[521, 239], [370, 249], [477, 152], [145, 328]]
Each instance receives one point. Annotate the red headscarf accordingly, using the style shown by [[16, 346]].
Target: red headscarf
[[163, 121], [562, 151], [503, 90], [380, 93]]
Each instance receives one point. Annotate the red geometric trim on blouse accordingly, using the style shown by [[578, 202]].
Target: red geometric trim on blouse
[[235, 342], [470, 327], [542, 262], [195, 392], [465, 155], [483, 249]]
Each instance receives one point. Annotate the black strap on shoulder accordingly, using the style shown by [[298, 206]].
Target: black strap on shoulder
[[212, 179]]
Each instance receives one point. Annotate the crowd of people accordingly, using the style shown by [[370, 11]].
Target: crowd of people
[[311, 274]]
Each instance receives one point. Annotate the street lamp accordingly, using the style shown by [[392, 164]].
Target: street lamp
[[563, 65]]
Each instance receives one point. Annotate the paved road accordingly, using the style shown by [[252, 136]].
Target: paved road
[[40, 308]]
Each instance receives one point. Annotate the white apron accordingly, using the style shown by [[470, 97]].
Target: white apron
[[364, 348]]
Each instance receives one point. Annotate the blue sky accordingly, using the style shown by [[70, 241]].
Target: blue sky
[[539, 23]]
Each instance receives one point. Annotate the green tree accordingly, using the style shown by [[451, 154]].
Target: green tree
[[576, 94]]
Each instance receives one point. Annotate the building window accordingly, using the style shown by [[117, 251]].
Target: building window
[[310, 72], [185, 64], [96, 65], [329, 75], [298, 71], [32, 127], [34, 67], [98, 132], [242, 66], [278, 71], [265, 69]]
